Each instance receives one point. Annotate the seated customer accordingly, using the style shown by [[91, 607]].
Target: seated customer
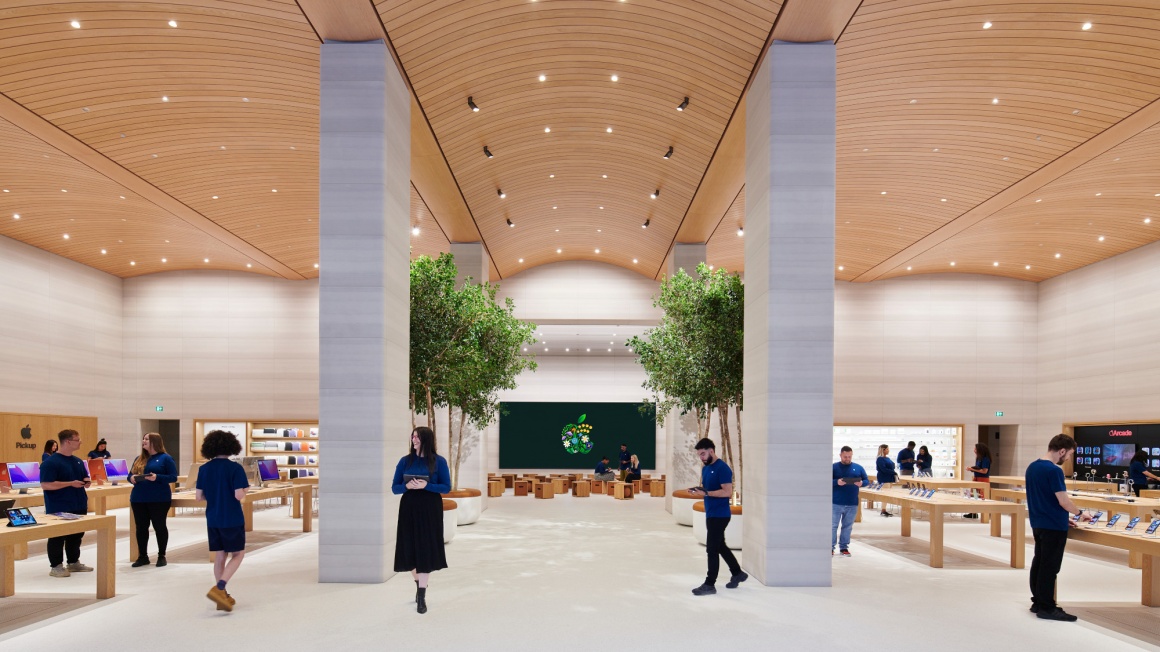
[[886, 473], [633, 469], [603, 472]]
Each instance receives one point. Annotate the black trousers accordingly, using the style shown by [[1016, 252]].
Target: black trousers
[[1049, 545], [58, 547], [717, 550], [143, 515]]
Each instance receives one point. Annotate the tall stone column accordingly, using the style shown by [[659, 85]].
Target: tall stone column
[[471, 259], [789, 314], [364, 323], [681, 431]]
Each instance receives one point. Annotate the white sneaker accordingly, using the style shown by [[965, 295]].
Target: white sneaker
[[79, 568], [59, 571]]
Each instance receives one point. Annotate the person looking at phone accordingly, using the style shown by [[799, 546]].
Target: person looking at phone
[[717, 488], [420, 476], [152, 475], [886, 474], [63, 477], [848, 476], [222, 484], [924, 460], [603, 472], [906, 460], [1049, 508]]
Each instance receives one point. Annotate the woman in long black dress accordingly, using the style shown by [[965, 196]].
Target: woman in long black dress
[[419, 540]]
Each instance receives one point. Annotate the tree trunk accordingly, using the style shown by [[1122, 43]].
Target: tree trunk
[[740, 451], [726, 444], [430, 412], [451, 447], [458, 448], [412, 411]]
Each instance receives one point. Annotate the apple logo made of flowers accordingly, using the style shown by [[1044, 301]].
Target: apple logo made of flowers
[[575, 436]]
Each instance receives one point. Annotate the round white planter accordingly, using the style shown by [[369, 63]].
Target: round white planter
[[683, 508], [732, 531], [450, 520], [470, 503]]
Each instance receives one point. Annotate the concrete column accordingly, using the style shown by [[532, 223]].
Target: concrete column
[[684, 469], [789, 315], [471, 259], [364, 317]]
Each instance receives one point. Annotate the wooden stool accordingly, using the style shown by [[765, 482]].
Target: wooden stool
[[495, 488], [622, 491], [581, 489], [645, 483], [657, 488], [610, 488], [521, 487], [636, 486], [544, 490], [558, 486], [597, 486], [509, 480]]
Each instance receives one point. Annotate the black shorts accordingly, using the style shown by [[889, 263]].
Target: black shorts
[[229, 539]]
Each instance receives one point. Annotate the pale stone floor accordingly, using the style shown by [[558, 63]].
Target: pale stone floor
[[592, 573]]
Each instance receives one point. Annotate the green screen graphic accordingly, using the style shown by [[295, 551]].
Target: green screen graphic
[[573, 435]]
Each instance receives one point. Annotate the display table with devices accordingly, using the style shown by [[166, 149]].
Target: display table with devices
[[984, 488], [1136, 541], [939, 504], [1072, 485], [49, 526]]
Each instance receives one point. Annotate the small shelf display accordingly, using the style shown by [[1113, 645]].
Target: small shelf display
[[294, 445], [943, 442]]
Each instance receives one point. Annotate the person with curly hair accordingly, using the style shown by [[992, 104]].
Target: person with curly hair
[[222, 484]]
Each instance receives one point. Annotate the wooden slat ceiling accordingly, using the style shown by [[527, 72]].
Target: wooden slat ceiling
[[916, 120]]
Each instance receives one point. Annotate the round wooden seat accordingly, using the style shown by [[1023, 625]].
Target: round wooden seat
[[449, 505], [463, 493], [735, 510]]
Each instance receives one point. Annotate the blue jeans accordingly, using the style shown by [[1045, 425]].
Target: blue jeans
[[844, 515]]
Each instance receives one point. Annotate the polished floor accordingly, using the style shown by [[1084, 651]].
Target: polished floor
[[583, 574]]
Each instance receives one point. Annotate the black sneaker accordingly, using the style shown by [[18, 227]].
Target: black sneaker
[[736, 579], [1057, 614], [161, 561], [141, 561], [705, 589], [1034, 608]]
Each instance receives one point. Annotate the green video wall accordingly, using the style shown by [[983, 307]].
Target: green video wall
[[574, 435]]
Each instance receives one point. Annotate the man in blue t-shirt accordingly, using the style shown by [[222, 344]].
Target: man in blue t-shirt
[[848, 476], [1048, 507], [717, 488], [222, 484], [625, 461], [906, 459], [603, 472], [63, 477]]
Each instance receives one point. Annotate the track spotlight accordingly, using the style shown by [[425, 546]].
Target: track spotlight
[[646, 223], [510, 224], [500, 193], [471, 104], [740, 231], [487, 152], [669, 153], [684, 105], [655, 194]]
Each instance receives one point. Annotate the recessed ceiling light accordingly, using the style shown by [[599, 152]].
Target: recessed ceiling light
[[914, 101], [215, 196], [173, 23], [1057, 255], [222, 147], [608, 130], [557, 230], [1101, 238], [601, 208], [273, 190], [6, 190], [525, 349], [133, 263], [1147, 220], [566, 349], [206, 260], [547, 130], [554, 208], [588, 350], [76, 24], [1098, 194], [16, 216], [600, 230], [63, 190], [545, 349], [104, 252], [543, 78], [615, 78], [604, 176], [1086, 26], [634, 261], [994, 264], [1027, 267], [597, 251], [559, 251], [66, 237], [865, 149], [415, 231], [245, 99], [908, 268], [122, 196], [1038, 200], [944, 199], [315, 265], [952, 263], [249, 265], [522, 260], [1006, 158], [551, 176], [995, 101], [884, 192], [841, 268], [987, 25], [164, 98], [610, 350], [934, 150], [165, 260]]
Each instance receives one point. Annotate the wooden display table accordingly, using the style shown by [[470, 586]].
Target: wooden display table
[[984, 488], [1072, 485], [622, 490], [495, 488], [942, 504], [656, 488], [520, 487], [545, 490], [1147, 548], [581, 489], [98, 497], [52, 526], [311, 482]]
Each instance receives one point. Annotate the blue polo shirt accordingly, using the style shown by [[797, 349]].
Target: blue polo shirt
[[847, 494], [625, 459], [1043, 480], [1136, 475], [61, 468], [158, 490], [218, 479], [712, 477], [905, 460]]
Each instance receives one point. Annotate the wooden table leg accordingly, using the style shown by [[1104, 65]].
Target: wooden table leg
[[21, 551], [1135, 560], [905, 513], [858, 515], [296, 509], [248, 512], [936, 537], [307, 509], [7, 571], [1149, 585], [106, 562], [1018, 539], [99, 505], [997, 525], [133, 551], [985, 517]]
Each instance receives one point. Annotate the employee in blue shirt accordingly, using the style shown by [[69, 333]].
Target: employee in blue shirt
[[419, 535], [886, 473], [63, 477], [1138, 473], [625, 461], [906, 460], [50, 447], [848, 476], [717, 488], [603, 472], [222, 484], [151, 496], [1048, 507], [924, 461], [981, 470]]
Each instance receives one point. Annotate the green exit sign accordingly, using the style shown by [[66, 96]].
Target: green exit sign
[[161, 408], [998, 414]]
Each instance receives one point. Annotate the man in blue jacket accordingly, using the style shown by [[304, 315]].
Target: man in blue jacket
[[848, 476], [906, 459]]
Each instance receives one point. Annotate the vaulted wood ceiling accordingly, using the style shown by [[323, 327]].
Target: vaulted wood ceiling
[[225, 105]]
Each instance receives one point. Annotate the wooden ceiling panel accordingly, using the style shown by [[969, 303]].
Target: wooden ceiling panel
[[725, 248]]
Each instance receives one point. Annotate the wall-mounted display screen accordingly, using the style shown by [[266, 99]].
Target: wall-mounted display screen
[[1118, 454], [1108, 450], [574, 435]]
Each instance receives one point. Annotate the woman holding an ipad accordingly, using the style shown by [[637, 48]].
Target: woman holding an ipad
[[421, 476]]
